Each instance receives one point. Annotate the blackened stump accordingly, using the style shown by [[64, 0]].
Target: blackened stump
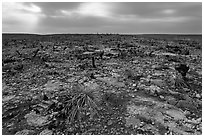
[[182, 69], [93, 62]]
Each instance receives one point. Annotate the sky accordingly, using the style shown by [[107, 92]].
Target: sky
[[101, 17]]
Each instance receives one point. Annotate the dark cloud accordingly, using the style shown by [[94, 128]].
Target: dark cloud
[[122, 17], [155, 9]]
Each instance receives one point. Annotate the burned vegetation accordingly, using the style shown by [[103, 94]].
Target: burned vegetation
[[101, 84]]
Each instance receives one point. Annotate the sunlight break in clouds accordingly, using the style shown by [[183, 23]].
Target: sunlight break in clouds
[[169, 11], [26, 16], [90, 17], [94, 9], [89, 9]]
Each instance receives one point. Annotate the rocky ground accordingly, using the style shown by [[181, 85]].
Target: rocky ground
[[142, 93]]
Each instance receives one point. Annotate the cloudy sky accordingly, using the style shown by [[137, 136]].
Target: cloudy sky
[[88, 17]]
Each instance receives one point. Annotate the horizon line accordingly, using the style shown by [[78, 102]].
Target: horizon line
[[100, 33]]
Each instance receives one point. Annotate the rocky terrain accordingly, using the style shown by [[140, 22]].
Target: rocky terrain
[[101, 84]]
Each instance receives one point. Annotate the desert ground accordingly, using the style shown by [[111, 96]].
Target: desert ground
[[101, 84]]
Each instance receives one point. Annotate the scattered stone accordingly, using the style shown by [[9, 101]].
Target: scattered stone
[[185, 104], [154, 89], [153, 129], [186, 112], [6, 89], [53, 85], [110, 122], [91, 86], [187, 127], [171, 100], [46, 132], [198, 96], [98, 126], [162, 97], [177, 115], [112, 81], [134, 85], [186, 89], [132, 121], [71, 80], [159, 82], [7, 98], [158, 73], [155, 66], [135, 61], [197, 121], [70, 129], [25, 132], [142, 86], [34, 119]]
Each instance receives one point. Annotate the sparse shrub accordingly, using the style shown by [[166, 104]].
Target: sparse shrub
[[180, 83], [81, 100]]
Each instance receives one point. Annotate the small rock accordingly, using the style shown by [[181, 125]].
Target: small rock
[[52, 85], [110, 122], [198, 96], [10, 125], [154, 89], [70, 129], [186, 112], [155, 66], [186, 89], [199, 120], [34, 119], [186, 104], [98, 126], [171, 100], [176, 114], [162, 97], [25, 132], [46, 132], [159, 82], [91, 85], [7, 98], [134, 85], [112, 81], [133, 96], [135, 61], [187, 127]]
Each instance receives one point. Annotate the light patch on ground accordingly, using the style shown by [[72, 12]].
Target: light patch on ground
[[158, 112]]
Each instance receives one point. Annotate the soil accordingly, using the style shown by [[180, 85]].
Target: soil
[[135, 77]]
